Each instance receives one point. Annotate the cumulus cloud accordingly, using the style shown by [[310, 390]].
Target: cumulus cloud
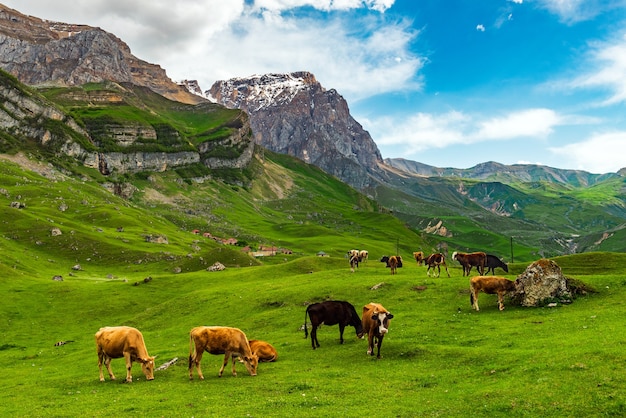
[[209, 40], [480, 28], [527, 123], [424, 131], [601, 153], [608, 63]]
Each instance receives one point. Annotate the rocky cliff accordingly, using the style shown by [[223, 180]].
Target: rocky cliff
[[40, 52], [293, 114], [120, 145]]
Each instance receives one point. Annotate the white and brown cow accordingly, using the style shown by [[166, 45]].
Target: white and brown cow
[[490, 285], [127, 342], [436, 260], [231, 342], [375, 325], [263, 350]]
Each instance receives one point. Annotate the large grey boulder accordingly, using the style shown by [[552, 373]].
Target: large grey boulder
[[541, 283]]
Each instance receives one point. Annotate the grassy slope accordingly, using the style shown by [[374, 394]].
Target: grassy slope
[[440, 357]]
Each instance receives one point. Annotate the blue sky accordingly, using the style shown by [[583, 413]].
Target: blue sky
[[450, 83]]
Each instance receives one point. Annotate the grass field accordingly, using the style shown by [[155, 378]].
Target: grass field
[[439, 359]]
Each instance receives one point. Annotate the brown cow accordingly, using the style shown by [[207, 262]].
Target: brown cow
[[469, 260], [436, 260], [419, 257], [375, 325], [263, 350], [127, 342], [393, 262], [363, 256], [231, 342], [490, 285]]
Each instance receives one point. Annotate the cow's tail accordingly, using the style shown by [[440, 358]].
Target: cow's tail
[[471, 297], [192, 350], [306, 331]]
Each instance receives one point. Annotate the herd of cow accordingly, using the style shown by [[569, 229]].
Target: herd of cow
[[128, 342], [480, 260]]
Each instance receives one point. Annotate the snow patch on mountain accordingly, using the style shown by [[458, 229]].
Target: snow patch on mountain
[[263, 91]]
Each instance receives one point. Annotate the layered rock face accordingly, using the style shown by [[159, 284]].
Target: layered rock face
[[39, 52], [293, 114]]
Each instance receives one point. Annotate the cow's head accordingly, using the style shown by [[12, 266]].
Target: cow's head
[[147, 366], [251, 363], [382, 321]]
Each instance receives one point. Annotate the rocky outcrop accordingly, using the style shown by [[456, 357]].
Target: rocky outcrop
[[541, 283], [26, 115], [40, 52], [293, 114]]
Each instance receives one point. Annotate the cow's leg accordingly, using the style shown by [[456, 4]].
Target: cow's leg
[[379, 343], [234, 356], [226, 358], [501, 301], [195, 360], [314, 341], [129, 365], [100, 361], [341, 328], [370, 344], [438, 270], [474, 299]]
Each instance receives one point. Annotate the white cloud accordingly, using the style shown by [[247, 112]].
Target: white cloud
[[424, 131], [326, 5], [535, 123], [602, 153], [480, 28], [609, 71], [208, 40], [574, 11]]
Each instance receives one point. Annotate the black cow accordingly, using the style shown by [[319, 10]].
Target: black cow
[[492, 263], [331, 312]]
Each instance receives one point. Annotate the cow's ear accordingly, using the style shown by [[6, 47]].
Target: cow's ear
[[389, 315]]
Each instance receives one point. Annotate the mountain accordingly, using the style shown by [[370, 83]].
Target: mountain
[[40, 52], [492, 171], [293, 114], [126, 131]]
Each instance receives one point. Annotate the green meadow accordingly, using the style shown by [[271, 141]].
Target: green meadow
[[439, 359]]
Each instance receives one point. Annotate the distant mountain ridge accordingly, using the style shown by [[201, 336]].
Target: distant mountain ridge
[[493, 171]]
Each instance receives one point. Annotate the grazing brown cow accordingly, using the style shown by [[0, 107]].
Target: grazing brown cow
[[263, 350], [393, 262], [331, 312], [231, 342], [419, 257], [127, 342], [490, 285], [375, 325], [469, 260], [436, 260]]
